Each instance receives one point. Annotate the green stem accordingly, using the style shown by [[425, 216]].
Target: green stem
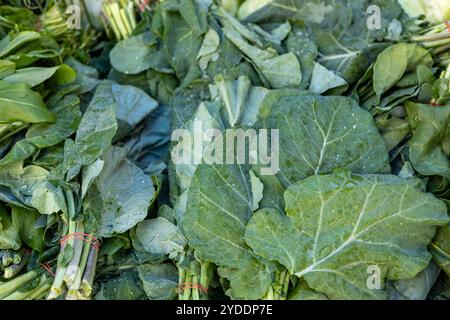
[[58, 282], [72, 268], [431, 37], [437, 43], [194, 290], [118, 19], [82, 267], [285, 286], [89, 273], [181, 280], [112, 22], [186, 288], [18, 295], [204, 276], [269, 295], [40, 292]]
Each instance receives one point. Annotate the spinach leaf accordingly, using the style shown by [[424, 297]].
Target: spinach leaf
[[20, 103]]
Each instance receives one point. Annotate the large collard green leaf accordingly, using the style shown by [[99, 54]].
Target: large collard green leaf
[[394, 62], [20, 103], [429, 146], [160, 281], [214, 224], [9, 235], [339, 225], [120, 196], [138, 53], [440, 248], [320, 134], [45, 135]]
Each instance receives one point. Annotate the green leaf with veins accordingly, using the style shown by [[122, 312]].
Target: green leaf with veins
[[319, 134], [215, 222], [339, 224]]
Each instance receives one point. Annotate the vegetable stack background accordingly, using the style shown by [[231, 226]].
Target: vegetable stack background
[[91, 207]]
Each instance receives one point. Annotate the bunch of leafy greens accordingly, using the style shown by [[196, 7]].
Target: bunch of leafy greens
[[358, 208]]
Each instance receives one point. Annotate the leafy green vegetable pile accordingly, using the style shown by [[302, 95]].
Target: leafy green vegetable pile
[[93, 207]]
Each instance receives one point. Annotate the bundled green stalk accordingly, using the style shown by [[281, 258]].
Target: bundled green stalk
[[437, 39], [194, 279], [118, 18], [76, 261]]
